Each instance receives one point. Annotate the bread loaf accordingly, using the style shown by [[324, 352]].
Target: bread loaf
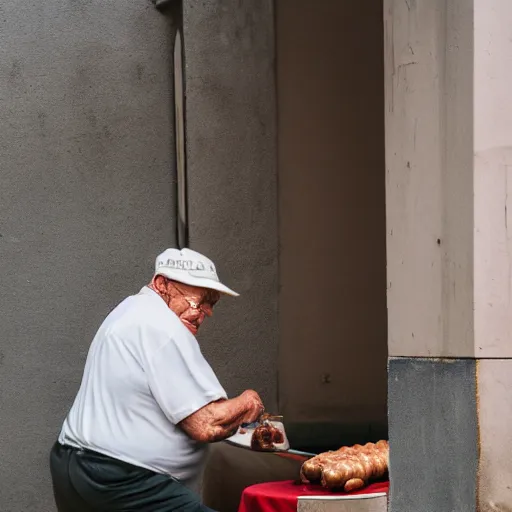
[[349, 468]]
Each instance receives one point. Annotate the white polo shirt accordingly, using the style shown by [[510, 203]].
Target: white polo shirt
[[144, 374]]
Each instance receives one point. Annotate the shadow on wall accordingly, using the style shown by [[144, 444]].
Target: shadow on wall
[[333, 318]]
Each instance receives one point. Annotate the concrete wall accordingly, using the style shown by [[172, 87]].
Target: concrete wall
[[86, 201], [332, 366], [448, 157], [429, 113], [229, 55]]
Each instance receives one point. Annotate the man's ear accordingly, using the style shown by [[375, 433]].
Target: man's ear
[[160, 283]]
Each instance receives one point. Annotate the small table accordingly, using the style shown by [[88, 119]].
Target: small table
[[284, 496]]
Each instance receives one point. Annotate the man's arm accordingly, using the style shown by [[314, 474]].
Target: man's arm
[[220, 420]]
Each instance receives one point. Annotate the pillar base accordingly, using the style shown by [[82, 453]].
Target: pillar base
[[450, 435], [354, 504]]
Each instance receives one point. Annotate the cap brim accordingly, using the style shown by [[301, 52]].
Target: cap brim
[[198, 281]]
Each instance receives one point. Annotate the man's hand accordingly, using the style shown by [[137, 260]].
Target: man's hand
[[220, 420], [255, 405]]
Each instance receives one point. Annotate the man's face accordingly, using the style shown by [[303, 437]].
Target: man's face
[[191, 303]]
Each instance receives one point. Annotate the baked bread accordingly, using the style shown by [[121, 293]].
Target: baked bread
[[349, 468]]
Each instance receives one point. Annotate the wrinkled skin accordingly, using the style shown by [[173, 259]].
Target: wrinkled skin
[[221, 419], [190, 303]]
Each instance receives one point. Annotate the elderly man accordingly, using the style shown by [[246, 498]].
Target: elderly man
[[149, 402]]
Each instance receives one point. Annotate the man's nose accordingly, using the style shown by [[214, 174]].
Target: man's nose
[[194, 313]]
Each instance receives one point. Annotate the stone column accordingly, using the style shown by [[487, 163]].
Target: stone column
[[449, 158]]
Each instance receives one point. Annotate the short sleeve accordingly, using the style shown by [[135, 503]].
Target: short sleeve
[[180, 378]]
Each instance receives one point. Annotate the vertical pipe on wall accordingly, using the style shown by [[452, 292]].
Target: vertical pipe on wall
[[175, 10], [181, 162]]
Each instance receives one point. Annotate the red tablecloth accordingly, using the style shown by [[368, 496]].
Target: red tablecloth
[[283, 496]]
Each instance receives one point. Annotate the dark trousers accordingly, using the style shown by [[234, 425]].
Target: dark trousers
[[86, 481]]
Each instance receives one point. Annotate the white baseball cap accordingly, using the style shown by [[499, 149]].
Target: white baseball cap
[[189, 267]]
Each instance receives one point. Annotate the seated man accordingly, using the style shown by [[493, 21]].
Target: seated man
[[149, 402]]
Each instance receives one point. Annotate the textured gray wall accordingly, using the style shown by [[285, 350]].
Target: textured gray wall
[[86, 201], [229, 57], [433, 435]]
